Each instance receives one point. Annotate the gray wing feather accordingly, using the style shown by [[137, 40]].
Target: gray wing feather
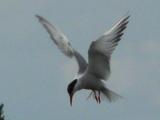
[[100, 50], [63, 44], [57, 36], [81, 62]]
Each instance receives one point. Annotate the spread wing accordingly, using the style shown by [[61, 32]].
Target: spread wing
[[63, 44], [100, 50]]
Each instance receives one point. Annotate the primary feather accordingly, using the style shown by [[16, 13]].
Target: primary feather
[[63, 44], [57, 36], [100, 50]]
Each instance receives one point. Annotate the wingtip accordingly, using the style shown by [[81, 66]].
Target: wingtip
[[39, 17], [125, 18], [127, 15]]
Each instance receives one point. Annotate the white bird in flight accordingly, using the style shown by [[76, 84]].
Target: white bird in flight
[[90, 75]]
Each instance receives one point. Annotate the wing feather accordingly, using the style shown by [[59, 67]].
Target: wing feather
[[63, 44], [100, 50], [57, 36]]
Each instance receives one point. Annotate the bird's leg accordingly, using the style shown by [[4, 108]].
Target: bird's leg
[[99, 97], [95, 96]]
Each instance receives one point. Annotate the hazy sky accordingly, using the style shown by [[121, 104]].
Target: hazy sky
[[34, 74]]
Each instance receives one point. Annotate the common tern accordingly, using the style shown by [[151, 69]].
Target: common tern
[[91, 75]]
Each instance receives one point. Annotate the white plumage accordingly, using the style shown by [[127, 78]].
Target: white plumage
[[91, 74]]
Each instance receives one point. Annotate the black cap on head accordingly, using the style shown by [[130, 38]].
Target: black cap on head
[[71, 86], [70, 89]]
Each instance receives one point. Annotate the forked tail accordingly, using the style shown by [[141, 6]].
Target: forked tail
[[110, 95], [105, 94]]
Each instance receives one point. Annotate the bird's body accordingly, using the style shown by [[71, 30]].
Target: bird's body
[[91, 75], [96, 85], [88, 81]]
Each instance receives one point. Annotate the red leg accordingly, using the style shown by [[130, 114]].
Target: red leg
[[95, 96]]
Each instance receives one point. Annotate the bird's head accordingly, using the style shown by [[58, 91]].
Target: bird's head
[[71, 89]]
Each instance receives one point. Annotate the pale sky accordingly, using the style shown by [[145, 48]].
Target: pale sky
[[34, 74]]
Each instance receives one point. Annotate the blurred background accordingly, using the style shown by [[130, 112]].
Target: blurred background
[[34, 74]]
